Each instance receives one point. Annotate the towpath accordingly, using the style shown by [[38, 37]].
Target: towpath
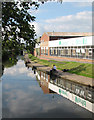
[[65, 75], [65, 59]]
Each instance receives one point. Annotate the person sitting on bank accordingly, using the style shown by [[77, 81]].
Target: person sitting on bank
[[54, 68]]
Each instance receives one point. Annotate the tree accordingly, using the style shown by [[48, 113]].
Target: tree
[[16, 25]]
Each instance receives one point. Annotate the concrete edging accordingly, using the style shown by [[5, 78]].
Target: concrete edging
[[65, 75]]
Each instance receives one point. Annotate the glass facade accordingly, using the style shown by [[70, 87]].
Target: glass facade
[[37, 51], [75, 52], [44, 51], [81, 47]]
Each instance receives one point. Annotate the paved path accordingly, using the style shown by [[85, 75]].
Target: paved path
[[46, 58], [65, 75]]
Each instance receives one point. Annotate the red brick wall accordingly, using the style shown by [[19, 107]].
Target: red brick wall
[[45, 37], [34, 52], [48, 51]]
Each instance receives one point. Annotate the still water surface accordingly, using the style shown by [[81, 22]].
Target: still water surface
[[24, 97]]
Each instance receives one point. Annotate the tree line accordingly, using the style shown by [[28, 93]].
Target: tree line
[[16, 26]]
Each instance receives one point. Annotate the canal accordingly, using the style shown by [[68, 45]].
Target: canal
[[27, 93]]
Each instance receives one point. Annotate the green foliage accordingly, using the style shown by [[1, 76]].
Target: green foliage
[[33, 58], [10, 62], [30, 56], [28, 51], [16, 25]]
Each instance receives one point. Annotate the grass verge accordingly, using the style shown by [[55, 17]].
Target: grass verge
[[83, 69]]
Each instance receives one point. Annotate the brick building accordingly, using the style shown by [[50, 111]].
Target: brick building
[[66, 45], [43, 80]]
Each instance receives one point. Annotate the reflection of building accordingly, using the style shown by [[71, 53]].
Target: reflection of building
[[77, 93], [81, 95], [65, 45], [43, 81], [82, 91]]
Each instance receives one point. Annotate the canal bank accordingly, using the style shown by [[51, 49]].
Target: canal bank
[[25, 96], [65, 75]]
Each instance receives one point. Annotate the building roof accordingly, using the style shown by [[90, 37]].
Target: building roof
[[69, 33]]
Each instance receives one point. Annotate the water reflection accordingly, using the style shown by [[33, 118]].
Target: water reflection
[[11, 62], [0, 99], [81, 95], [1, 70], [23, 96], [7, 64]]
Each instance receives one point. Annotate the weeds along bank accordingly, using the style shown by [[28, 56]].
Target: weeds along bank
[[83, 69]]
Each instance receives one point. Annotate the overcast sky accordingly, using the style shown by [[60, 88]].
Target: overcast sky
[[65, 17]]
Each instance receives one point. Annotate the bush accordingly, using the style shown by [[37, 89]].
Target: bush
[[30, 56], [28, 51]]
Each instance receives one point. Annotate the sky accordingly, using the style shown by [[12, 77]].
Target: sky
[[65, 17]]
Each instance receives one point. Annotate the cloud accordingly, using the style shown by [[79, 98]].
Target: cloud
[[77, 0], [7, 86], [80, 22], [30, 74], [15, 71], [39, 28], [23, 104], [34, 11], [83, 18], [66, 0], [18, 70], [82, 4]]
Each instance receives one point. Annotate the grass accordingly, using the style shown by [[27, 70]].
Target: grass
[[83, 69]]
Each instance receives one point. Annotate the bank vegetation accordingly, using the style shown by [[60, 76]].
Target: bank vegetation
[[83, 69]]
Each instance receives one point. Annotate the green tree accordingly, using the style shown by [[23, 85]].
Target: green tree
[[16, 25]]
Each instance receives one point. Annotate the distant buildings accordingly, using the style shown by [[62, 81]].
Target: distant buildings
[[65, 45]]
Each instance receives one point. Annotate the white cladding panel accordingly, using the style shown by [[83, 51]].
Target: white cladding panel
[[37, 46], [80, 41], [74, 98]]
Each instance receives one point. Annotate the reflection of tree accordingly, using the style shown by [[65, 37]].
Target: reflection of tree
[[10, 62], [1, 69]]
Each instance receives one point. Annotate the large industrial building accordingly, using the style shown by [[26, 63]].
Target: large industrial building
[[66, 45]]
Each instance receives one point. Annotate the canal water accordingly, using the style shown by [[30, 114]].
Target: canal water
[[27, 93]]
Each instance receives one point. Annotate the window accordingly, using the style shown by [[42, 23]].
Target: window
[[56, 51], [90, 54], [46, 51]]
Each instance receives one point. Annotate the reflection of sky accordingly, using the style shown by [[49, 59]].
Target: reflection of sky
[[18, 71], [0, 99], [23, 98]]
